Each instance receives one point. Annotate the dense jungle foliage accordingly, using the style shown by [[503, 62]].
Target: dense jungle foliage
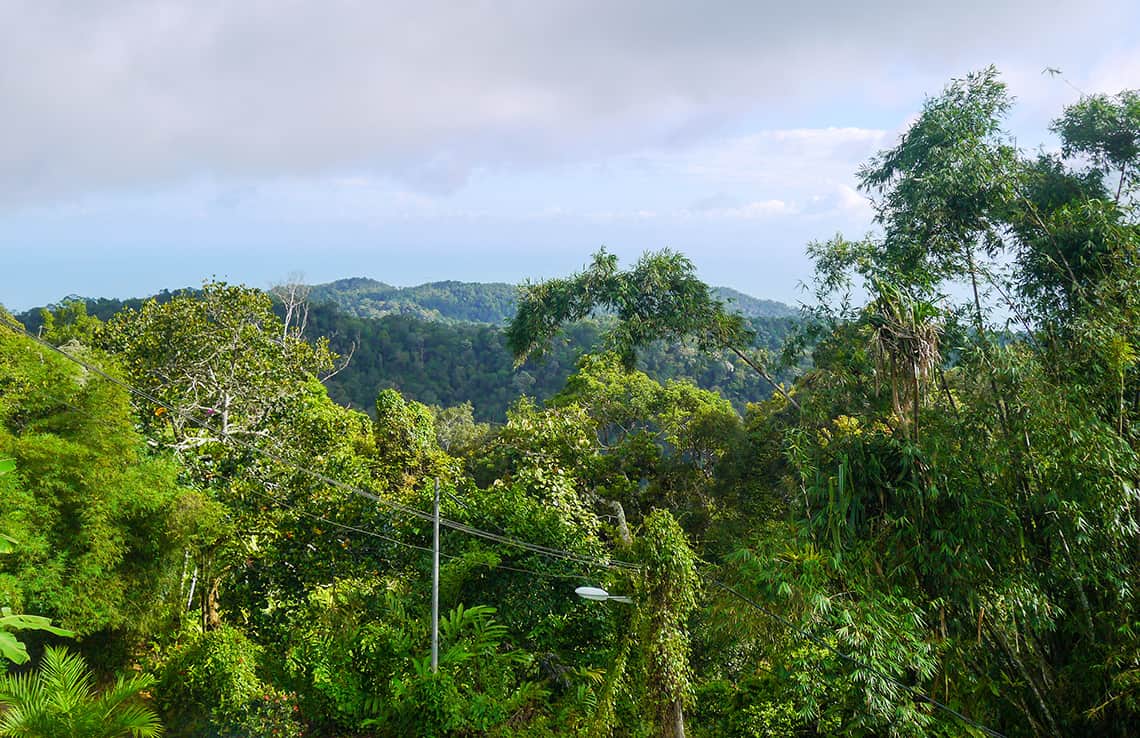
[[934, 530], [454, 357]]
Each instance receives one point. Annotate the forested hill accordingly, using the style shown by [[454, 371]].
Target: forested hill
[[443, 344], [476, 302], [469, 302], [753, 307], [448, 364], [449, 301]]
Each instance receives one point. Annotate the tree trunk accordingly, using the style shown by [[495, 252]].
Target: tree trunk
[[624, 535], [675, 724], [211, 618]]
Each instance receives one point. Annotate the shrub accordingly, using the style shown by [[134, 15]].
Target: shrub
[[207, 685], [271, 714]]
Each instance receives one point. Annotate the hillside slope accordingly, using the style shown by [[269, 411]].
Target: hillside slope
[[475, 302]]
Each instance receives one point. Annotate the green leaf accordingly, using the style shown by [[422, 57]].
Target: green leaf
[[11, 648], [10, 621]]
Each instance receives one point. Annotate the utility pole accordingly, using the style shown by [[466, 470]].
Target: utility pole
[[435, 584]]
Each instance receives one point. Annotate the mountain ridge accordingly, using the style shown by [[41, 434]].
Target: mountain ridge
[[446, 301], [477, 302]]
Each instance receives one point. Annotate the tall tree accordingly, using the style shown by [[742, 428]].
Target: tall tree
[[658, 299], [220, 356], [667, 598]]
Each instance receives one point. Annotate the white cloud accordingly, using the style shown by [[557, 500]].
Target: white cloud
[[1119, 71], [849, 200], [750, 210], [141, 93], [785, 158]]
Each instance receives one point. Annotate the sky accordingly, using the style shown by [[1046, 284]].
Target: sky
[[155, 144]]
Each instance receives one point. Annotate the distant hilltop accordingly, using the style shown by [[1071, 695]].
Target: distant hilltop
[[449, 301], [476, 302], [491, 303]]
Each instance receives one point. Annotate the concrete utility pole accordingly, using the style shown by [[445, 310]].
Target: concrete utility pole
[[435, 584]]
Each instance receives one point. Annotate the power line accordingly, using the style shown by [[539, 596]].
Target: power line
[[295, 508], [405, 544], [469, 509], [335, 524], [816, 640], [548, 575], [344, 526], [405, 509]]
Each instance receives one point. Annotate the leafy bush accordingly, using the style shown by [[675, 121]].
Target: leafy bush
[[754, 707], [207, 685], [342, 649], [358, 658], [476, 689], [272, 714]]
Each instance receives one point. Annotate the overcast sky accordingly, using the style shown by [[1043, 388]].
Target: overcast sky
[[154, 144]]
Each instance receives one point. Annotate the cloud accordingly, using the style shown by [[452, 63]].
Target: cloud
[[850, 201], [1120, 70], [142, 93], [712, 203], [786, 158], [749, 210], [761, 209]]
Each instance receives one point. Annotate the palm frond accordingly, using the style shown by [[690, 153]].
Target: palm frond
[[60, 700]]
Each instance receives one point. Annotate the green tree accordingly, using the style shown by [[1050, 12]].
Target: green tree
[[456, 431], [69, 321], [216, 356], [407, 450], [93, 510], [657, 445], [666, 598], [11, 648], [1106, 129], [236, 397], [1001, 527], [658, 299]]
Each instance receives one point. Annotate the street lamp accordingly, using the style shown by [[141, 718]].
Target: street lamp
[[600, 595]]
